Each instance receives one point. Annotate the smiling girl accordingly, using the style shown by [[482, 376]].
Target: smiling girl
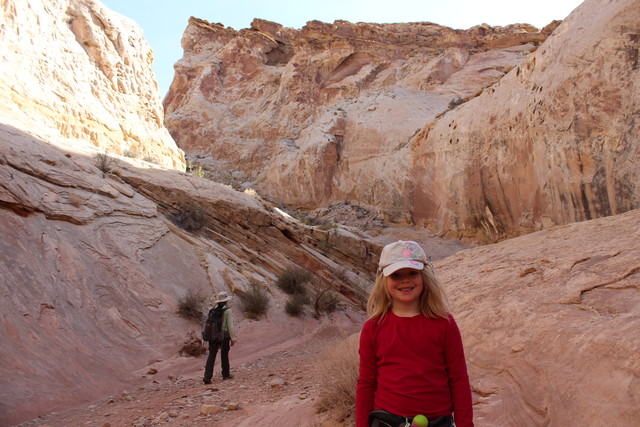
[[411, 355]]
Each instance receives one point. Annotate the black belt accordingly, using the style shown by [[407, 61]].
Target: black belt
[[387, 419]]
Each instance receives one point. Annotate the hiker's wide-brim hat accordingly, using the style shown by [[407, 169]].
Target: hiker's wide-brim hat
[[223, 297]]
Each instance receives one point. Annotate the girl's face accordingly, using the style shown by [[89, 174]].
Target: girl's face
[[405, 286]]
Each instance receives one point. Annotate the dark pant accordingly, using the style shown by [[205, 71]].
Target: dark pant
[[224, 355], [380, 418]]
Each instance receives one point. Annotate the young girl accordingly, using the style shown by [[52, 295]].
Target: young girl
[[411, 356]]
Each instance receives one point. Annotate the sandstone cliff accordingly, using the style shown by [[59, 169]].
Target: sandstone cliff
[[486, 132], [80, 73], [555, 141]]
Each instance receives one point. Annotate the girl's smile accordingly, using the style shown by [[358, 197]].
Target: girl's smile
[[405, 287]]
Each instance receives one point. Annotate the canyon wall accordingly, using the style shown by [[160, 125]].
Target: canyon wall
[[555, 141], [78, 73], [486, 132]]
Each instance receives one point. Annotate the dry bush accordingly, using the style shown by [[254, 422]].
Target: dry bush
[[295, 304], [189, 218], [76, 199], [192, 346], [323, 299], [339, 378], [292, 281], [104, 162], [190, 306], [255, 301]]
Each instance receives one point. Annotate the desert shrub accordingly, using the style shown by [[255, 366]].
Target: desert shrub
[[104, 162], [338, 384], [323, 299], [292, 281], [195, 170], [190, 305], [131, 153], [328, 302], [192, 346], [151, 159], [455, 102], [295, 304], [189, 218], [255, 301]]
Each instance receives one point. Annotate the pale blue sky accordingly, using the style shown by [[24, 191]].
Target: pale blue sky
[[164, 21]]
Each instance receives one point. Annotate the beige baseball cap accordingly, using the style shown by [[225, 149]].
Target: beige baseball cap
[[401, 254]]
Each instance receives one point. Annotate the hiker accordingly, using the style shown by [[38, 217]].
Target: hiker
[[411, 354], [224, 341]]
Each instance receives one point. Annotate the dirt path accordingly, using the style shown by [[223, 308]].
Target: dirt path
[[272, 385]]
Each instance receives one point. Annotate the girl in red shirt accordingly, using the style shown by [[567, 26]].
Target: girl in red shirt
[[411, 355]]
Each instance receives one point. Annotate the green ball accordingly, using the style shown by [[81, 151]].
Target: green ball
[[420, 421]]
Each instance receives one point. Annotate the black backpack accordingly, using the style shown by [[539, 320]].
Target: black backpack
[[213, 326]]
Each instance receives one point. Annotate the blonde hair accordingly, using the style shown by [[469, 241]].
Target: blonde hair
[[433, 301]]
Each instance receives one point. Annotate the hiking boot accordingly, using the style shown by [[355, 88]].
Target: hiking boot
[[206, 381], [227, 377]]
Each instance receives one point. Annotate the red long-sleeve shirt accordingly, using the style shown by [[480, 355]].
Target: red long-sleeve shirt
[[413, 365]]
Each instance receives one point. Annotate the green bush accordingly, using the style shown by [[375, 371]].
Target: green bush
[[190, 305], [295, 304], [195, 170], [292, 281], [255, 301]]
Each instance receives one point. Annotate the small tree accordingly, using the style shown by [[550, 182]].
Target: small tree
[[323, 299]]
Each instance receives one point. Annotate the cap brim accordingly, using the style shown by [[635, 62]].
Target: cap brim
[[392, 268]]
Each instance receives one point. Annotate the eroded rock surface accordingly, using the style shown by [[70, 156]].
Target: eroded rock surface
[[550, 324], [555, 141]]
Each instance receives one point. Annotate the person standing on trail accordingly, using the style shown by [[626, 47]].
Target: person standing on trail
[[218, 331]]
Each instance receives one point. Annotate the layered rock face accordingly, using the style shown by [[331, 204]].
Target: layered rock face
[[371, 114], [78, 72], [92, 269]]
